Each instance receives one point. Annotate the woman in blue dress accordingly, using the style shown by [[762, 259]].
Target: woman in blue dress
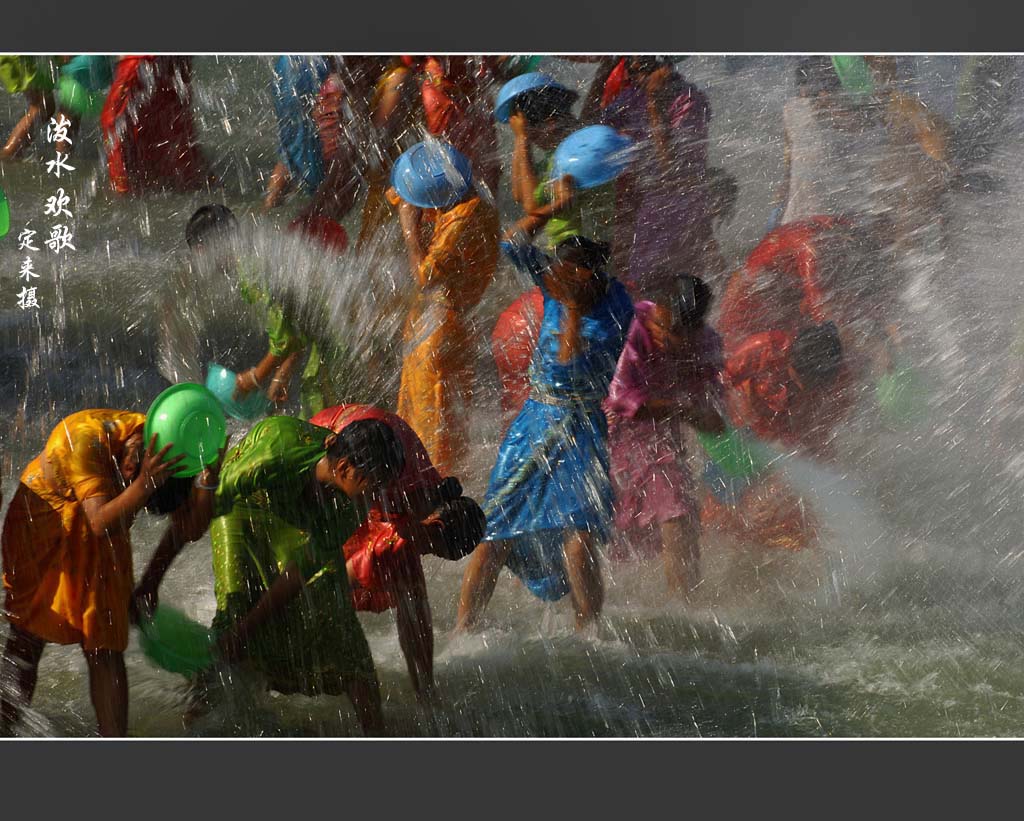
[[296, 87], [549, 500]]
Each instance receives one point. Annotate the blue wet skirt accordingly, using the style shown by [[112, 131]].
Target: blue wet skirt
[[297, 82], [551, 476]]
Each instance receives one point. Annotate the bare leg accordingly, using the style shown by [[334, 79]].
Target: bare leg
[[108, 688], [681, 540], [584, 572], [39, 105], [479, 582], [280, 182], [18, 673], [365, 697]]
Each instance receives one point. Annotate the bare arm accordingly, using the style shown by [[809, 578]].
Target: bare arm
[[280, 593], [409, 216], [255, 378], [396, 93], [104, 513], [278, 389], [187, 525], [524, 181], [562, 197]]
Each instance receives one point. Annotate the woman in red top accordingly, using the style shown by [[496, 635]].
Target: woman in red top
[[420, 513]]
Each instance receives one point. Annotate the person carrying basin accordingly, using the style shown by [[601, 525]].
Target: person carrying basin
[[67, 553], [451, 237]]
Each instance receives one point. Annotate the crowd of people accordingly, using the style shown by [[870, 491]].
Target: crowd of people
[[613, 366]]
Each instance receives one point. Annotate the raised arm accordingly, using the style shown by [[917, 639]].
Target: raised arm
[[104, 512], [524, 181], [563, 192]]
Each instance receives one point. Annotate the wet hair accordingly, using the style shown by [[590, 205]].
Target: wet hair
[[577, 292], [817, 354], [586, 253], [817, 75], [171, 495], [372, 448], [542, 104], [209, 222], [693, 300], [464, 524]]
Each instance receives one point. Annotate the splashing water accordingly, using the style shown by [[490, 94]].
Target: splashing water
[[907, 621]]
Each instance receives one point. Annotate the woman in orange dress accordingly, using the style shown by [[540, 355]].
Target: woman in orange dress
[[67, 555], [451, 236]]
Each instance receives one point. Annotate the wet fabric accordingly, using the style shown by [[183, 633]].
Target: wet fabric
[[321, 377], [672, 219], [267, 520], [381, 561], [551, 474], [778, 293], [272, 467], [296, 88], [316, 639], [24, 72], [437, 372], [769, 514], [380, 557], [457, 109], [377, 211], [512, 343], [652, 481], [148, 132], [591, 213], [63, 584], [767, 396], [780, 285]]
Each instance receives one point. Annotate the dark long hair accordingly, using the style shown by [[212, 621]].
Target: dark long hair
[[579, 294]]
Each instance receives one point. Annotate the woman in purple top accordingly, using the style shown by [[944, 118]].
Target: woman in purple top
[[667, 206], [668, 375]]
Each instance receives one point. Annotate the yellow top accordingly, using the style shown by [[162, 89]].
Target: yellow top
[[83, 449]]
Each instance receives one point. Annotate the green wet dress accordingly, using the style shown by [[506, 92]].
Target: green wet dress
[[321, 380], [266, 521], [24, 72]]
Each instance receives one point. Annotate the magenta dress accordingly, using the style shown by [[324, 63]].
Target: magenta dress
[[650, 476]]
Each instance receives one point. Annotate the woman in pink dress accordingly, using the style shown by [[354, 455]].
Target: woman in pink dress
[[668, 375]]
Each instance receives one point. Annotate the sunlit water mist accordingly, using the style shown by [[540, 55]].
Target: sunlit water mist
[[907, 621]]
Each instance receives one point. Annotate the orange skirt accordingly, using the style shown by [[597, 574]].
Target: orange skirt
[[63, 584], [436, 386]]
